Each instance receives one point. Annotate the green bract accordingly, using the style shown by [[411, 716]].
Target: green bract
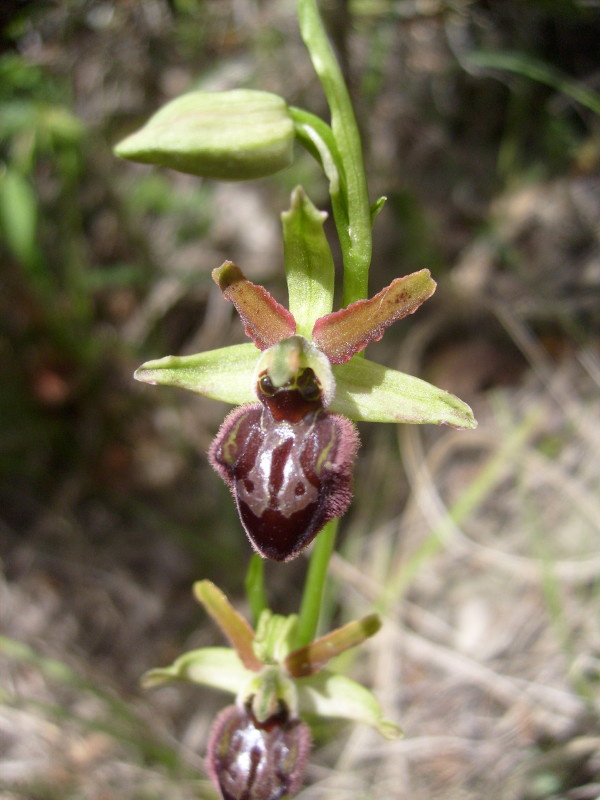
[[230, 136]]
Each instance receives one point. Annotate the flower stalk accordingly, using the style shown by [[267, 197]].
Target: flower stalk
[[314, 584], [352, 213], [287, 451]]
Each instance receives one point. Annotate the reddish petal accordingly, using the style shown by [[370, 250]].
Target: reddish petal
[[265, 320], [310, 659], [346, 332], [232, 624]]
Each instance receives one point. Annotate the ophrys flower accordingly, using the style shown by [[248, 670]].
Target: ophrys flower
[[259, 747], [288, 458]]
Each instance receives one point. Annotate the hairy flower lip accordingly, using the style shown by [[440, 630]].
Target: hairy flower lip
[[289, 475], [249, 760]]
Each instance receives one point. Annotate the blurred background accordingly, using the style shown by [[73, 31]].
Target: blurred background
[[481, 124]]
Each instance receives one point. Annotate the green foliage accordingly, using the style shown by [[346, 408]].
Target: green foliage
[[18, 218]]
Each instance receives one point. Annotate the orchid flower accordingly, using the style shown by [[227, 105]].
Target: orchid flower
[[288, 458], [259, 747]]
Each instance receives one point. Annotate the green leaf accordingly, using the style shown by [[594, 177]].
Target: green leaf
[[225, 374], [536, 70], [18, 217], [317, 137], [232, 136], [330, 695], [308, 262], [64, 126], [219, 667], [370, 392]]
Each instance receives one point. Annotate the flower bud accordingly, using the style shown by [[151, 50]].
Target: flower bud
[[248, 760], [231, 136]]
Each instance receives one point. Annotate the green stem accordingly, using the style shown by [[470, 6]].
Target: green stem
[[314, 586], [255, 587], [339, 150], [356, 241], [317, 138]]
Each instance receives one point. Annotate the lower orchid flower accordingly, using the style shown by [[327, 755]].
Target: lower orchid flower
[[288, 458], [259, 747]]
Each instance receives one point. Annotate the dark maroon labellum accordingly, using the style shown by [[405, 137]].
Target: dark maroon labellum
[[248, 760], [288, 463]]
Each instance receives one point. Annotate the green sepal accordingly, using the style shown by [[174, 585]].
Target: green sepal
[[328, 694], [365, 391], [236, 135], [370, 392], [308, 262], [218, 667], [225, 374]]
